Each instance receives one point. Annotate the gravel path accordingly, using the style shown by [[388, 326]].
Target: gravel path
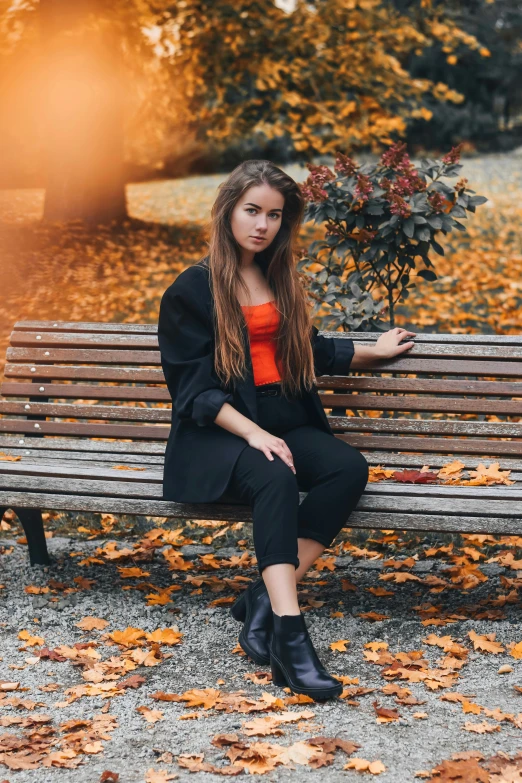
[[205, 659]]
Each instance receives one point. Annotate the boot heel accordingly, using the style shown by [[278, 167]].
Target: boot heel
[[238, 609], [278, 678]]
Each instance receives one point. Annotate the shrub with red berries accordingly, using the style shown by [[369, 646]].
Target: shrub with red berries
[[380, 224]]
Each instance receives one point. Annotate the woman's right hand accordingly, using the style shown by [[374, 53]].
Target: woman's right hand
[[268, 443]]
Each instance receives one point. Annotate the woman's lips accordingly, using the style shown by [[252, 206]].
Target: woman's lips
[[258, 239]]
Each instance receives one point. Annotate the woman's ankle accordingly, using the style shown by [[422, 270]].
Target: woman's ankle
[[288, 614]]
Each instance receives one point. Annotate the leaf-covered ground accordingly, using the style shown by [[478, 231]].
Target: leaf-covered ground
[[122, 659]]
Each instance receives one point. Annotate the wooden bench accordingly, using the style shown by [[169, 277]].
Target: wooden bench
[[80, 399]]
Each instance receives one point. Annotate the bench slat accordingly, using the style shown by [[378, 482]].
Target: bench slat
[[446, 445], [88, 340], [240, 513], [76, 372], [151, 375], [418, 460], [350, 402], [81, 486], [119, 431], [86, 326], [433, 404], [30, 488], [343, 384], [499, 492], [379, 520], [84, 355], [388, 488], [96, 340], [77, 457], [64, 410], [109, 327], [421, 505], [450, 446], [421, 385], [446, 366], [478, 498], [75, 465], [83, 470], [505, 429], [86, 392], [401, 364], [433, 523], [85, 445], [348, 383], [71, 452]]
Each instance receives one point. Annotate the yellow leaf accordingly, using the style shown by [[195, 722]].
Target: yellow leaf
[[516, 651], [151, 716], [340, 646], [92, 623], [131, 572], [165, 636], [30, 640]]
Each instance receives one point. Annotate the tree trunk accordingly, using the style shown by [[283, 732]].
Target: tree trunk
[[82, 122]]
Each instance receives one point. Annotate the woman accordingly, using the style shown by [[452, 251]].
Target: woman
[[240, 355]]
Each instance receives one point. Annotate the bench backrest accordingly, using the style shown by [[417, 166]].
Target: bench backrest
[[102, 383]]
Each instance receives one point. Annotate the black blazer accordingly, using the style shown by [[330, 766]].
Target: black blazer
[[200, 455]]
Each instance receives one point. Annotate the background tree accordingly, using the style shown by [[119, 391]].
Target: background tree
[[88, 72], [322, 77], [134, 80], [490, 116]]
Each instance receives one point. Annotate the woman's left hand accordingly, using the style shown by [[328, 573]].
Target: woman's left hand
[[389, 344]]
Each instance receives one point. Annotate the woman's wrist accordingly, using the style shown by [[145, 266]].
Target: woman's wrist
[[235, 422], [363, 354]]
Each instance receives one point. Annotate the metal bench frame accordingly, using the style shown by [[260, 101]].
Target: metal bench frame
[[69, 447]]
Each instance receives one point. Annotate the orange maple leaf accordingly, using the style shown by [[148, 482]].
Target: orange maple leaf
[[340, 646]]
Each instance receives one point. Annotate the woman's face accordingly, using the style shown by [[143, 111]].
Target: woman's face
[[257, 214]]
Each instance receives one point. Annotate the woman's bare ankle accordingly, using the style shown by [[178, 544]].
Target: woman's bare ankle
[[280, 583], [292, 612]]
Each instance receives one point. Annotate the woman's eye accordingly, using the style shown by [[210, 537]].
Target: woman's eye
[[273, 214]]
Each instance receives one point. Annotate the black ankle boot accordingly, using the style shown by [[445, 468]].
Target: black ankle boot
[[254, 607], [294, 661], [238, 608]]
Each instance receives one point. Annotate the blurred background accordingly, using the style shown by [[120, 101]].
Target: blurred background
[[119, 120]]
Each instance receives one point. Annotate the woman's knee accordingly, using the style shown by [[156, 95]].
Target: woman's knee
[[355, 468], [281, 476], [255, 475], [275, 478]]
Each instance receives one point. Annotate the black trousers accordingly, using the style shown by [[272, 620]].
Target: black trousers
[[333, 473]]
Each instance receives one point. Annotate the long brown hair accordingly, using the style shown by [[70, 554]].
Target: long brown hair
[[294, 356]]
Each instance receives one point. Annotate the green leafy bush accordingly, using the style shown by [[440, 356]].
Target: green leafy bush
[[381, 221]]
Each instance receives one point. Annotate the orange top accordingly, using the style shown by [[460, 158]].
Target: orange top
[[262, 322]]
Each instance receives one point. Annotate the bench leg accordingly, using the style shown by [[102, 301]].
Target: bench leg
[[32, 523]]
